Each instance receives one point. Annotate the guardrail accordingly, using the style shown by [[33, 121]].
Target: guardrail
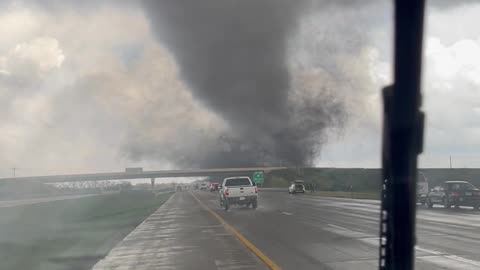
[[338, 194], [273, 189]]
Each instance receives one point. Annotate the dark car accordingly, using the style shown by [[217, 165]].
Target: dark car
[[454, 193]]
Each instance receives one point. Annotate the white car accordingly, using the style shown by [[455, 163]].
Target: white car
[[296, 188], [238, 190], [203, 186]]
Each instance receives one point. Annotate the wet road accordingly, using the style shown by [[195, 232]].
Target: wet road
[[307, 232], [295, 231], [181, 234]]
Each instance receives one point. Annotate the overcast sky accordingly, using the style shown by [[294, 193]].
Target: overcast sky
[[81, 83], [451, 89]]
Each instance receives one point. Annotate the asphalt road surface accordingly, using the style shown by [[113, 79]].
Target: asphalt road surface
[[181, 234], [294, 231]]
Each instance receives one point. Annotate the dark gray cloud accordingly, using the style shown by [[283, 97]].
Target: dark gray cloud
[[247, 60], [233, 56], [240, 60], [279, 74]]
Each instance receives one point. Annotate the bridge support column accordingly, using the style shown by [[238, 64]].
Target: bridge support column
[[152, 181]]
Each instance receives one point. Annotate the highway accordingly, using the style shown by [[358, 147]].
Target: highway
[[293, 231]]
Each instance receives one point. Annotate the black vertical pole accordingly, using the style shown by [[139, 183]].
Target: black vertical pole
[[405, 131]]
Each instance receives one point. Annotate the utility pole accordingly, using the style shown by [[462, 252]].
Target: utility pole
[[14, 169], [152, 182], [450, 162]]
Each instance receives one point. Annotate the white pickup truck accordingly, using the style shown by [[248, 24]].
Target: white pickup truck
[[238, 190]]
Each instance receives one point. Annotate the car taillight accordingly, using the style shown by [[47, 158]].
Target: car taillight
[[256, 189], [226, 192], [454, 194]]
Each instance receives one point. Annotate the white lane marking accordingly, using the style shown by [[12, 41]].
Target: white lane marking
[[450, 256], [435, 225], [441, 262], [345, 231], [228, 264], [450, 220], [338, 227], [288, 214], [429, 251], [466, 219], [465, 260], [435, 257], [374, 241]]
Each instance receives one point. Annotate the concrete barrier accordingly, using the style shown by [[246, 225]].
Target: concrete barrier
[[338, 194], [273, 189]]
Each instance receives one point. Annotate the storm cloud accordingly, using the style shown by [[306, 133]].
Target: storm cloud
[[233, 55], [99, 86]]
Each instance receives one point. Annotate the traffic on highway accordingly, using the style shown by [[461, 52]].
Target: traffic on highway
[[289, 232], [239, 134]]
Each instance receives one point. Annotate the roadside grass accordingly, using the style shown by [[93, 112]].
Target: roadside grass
[[343, 194], [70, 234]]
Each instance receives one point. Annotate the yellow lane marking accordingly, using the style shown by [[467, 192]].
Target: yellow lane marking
[[240, 237]]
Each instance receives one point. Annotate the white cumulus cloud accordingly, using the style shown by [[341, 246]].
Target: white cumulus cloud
[[459, 60], [41, 54]]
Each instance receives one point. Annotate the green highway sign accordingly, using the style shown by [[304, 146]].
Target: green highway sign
[[258, 178]]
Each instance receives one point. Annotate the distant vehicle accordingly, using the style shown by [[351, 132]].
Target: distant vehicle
[[203, 186], [214, 186], [454, 193], [179, 188], [297, 186], [238, 190], [422, 189]]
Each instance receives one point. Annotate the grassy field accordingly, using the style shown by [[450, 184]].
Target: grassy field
[[70, 234], [361, 180]]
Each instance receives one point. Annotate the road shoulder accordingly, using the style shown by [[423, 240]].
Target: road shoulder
[[181, 234]]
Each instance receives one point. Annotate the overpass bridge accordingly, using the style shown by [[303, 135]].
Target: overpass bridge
[[140, 174]]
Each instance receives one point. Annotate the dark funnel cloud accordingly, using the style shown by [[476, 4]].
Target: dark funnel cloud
[[233, 57]]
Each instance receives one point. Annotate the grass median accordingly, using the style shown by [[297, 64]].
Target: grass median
[[70, 234]]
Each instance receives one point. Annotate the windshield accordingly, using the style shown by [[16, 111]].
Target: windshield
[[237, 182], [120, 121], [461, 186]]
